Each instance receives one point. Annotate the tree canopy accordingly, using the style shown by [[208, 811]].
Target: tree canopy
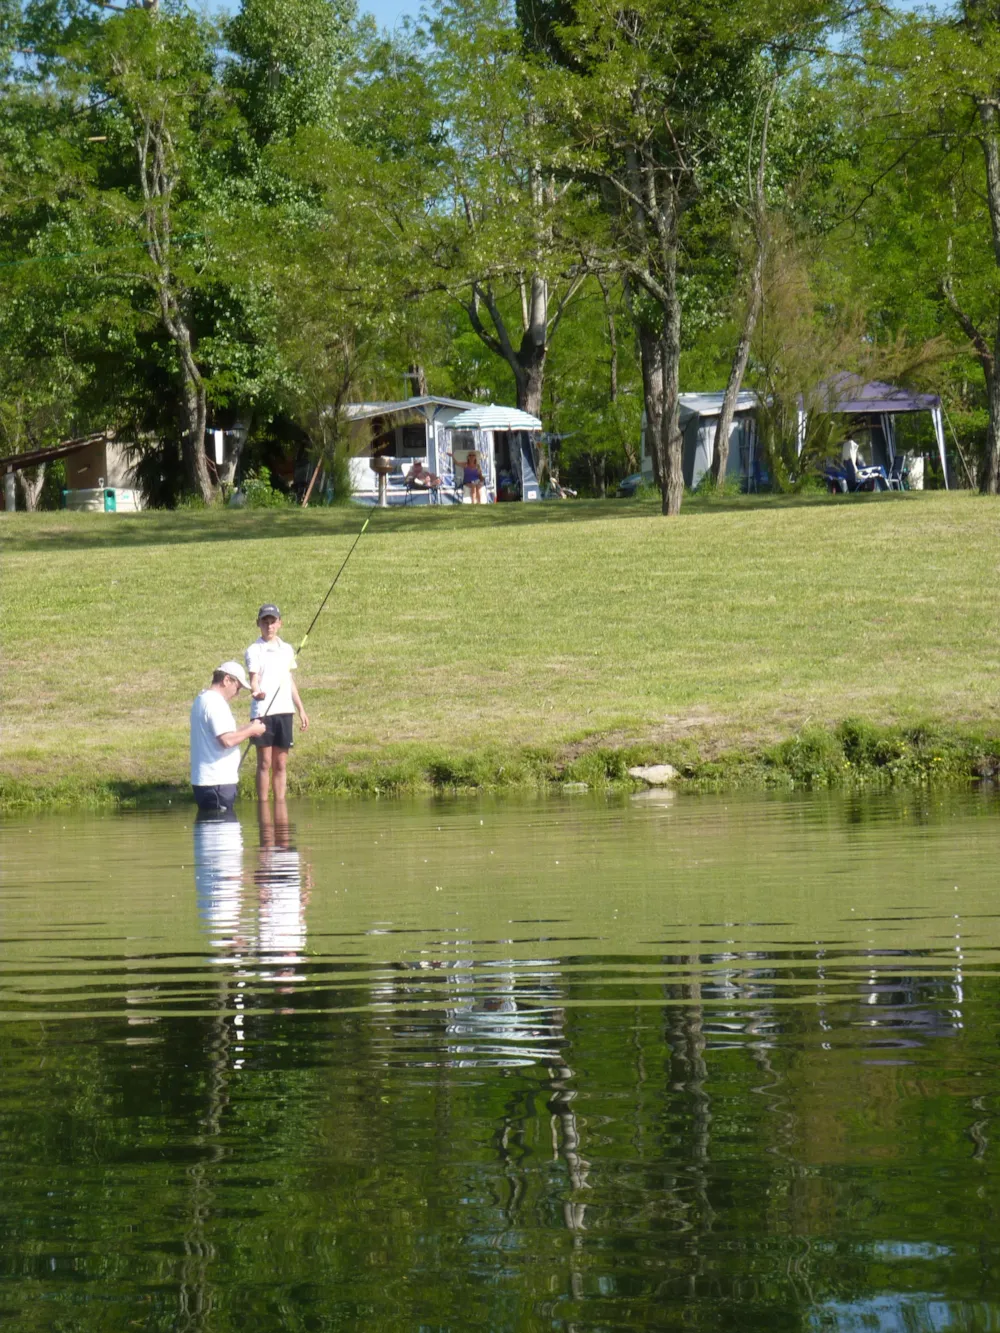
[[579, 208]]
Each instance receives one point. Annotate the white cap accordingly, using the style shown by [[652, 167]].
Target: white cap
[[236, 671]]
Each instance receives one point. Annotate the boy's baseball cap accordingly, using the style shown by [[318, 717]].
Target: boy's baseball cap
[[269, 609], [236, 671]]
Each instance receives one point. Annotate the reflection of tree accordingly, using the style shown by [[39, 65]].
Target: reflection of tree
[[502, 1014], [278, 941]]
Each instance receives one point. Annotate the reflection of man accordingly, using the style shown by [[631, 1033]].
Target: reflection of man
[[218, 876], [216, 740]]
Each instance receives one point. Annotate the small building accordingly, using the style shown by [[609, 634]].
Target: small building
[[99, 475], [441, 432]]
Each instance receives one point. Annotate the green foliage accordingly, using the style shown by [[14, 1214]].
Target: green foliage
[[290, 56], [258, 492]]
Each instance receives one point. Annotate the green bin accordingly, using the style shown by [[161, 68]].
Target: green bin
[[110, 504]]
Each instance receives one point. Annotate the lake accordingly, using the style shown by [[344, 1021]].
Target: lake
[[575, 1063]]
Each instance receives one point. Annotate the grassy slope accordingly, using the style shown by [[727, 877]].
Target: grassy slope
[[506, 627]]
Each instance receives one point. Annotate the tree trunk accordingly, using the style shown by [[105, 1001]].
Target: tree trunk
[[651, 358], [194, 414], [990, 480], [720, 454], [31, 488], [672, 482], [529, 376], [193, 404], [755, 299], [527, 360], [229, 468], [602, 475], [417, 378]]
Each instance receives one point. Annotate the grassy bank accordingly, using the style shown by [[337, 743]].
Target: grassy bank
[[855, 756], [517, 644]]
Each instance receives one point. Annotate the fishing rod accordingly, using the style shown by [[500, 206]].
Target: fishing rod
[[305, 637]]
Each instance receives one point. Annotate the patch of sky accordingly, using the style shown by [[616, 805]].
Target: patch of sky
[[894, 1313], [386, 13]]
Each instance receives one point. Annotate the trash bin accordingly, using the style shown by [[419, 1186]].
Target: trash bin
[[109, 500]]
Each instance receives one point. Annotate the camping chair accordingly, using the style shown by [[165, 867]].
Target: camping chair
[[898, 472]]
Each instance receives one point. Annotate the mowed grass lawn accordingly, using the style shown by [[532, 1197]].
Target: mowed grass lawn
[[509, 626]]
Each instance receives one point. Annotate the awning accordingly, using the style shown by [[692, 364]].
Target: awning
[[494, 418], [849, 394]]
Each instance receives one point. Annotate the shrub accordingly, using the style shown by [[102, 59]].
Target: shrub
[[258, 493]]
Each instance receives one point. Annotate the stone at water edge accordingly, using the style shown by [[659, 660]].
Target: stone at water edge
[[657, 775]]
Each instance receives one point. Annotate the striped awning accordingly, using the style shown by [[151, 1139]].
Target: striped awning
[[494, 418]]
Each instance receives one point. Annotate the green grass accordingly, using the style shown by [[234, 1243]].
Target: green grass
[[513, 644]]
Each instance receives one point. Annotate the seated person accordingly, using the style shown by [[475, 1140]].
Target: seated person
[[855, 464], [419, 477]]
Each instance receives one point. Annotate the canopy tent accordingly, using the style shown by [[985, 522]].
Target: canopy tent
[[506, 441], [848, 395]]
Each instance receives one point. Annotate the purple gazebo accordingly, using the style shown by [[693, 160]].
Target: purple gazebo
[[850, 396]]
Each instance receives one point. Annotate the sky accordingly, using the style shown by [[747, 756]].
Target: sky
[[388, 12]]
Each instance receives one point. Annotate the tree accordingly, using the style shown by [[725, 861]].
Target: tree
[[642, 89]]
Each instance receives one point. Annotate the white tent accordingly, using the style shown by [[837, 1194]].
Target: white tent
[[699, 419]]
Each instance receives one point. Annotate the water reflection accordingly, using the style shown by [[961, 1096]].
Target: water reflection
[[257, 926], [443, 1074]]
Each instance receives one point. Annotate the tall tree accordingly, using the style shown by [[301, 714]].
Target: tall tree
[[507, 232], [643, 87]]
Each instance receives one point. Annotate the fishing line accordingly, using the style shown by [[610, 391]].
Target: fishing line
[[305, 637]]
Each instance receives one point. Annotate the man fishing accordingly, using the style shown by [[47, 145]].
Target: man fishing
[[216, 739]]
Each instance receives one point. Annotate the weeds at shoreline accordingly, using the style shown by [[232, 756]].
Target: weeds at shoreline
[[856, 755]]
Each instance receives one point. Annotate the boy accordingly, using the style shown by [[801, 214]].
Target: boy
[[270, 662]]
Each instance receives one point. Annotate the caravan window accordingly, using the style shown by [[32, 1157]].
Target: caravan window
[[413, 441]]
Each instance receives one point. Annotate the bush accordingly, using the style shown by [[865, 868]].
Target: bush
[[258, 493]]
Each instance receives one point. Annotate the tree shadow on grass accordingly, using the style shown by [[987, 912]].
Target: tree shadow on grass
[[62, 532]]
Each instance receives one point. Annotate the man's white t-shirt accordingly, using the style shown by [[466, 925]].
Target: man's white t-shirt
[[212, 765], [273, 663]]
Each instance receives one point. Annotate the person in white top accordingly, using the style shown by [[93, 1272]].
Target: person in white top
[[216, 739], [270, 662]]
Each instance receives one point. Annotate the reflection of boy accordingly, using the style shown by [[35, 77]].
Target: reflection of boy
[[270, 662]]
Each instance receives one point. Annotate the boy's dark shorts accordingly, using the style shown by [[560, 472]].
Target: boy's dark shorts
[[215, 798], [279, 731]]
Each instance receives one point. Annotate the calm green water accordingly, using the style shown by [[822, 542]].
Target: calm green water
[[701, 1064]]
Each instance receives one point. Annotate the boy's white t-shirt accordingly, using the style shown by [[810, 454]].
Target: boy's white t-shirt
[[273, 662], [211, 764]]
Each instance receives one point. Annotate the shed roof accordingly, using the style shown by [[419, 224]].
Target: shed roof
[[14, 462]]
